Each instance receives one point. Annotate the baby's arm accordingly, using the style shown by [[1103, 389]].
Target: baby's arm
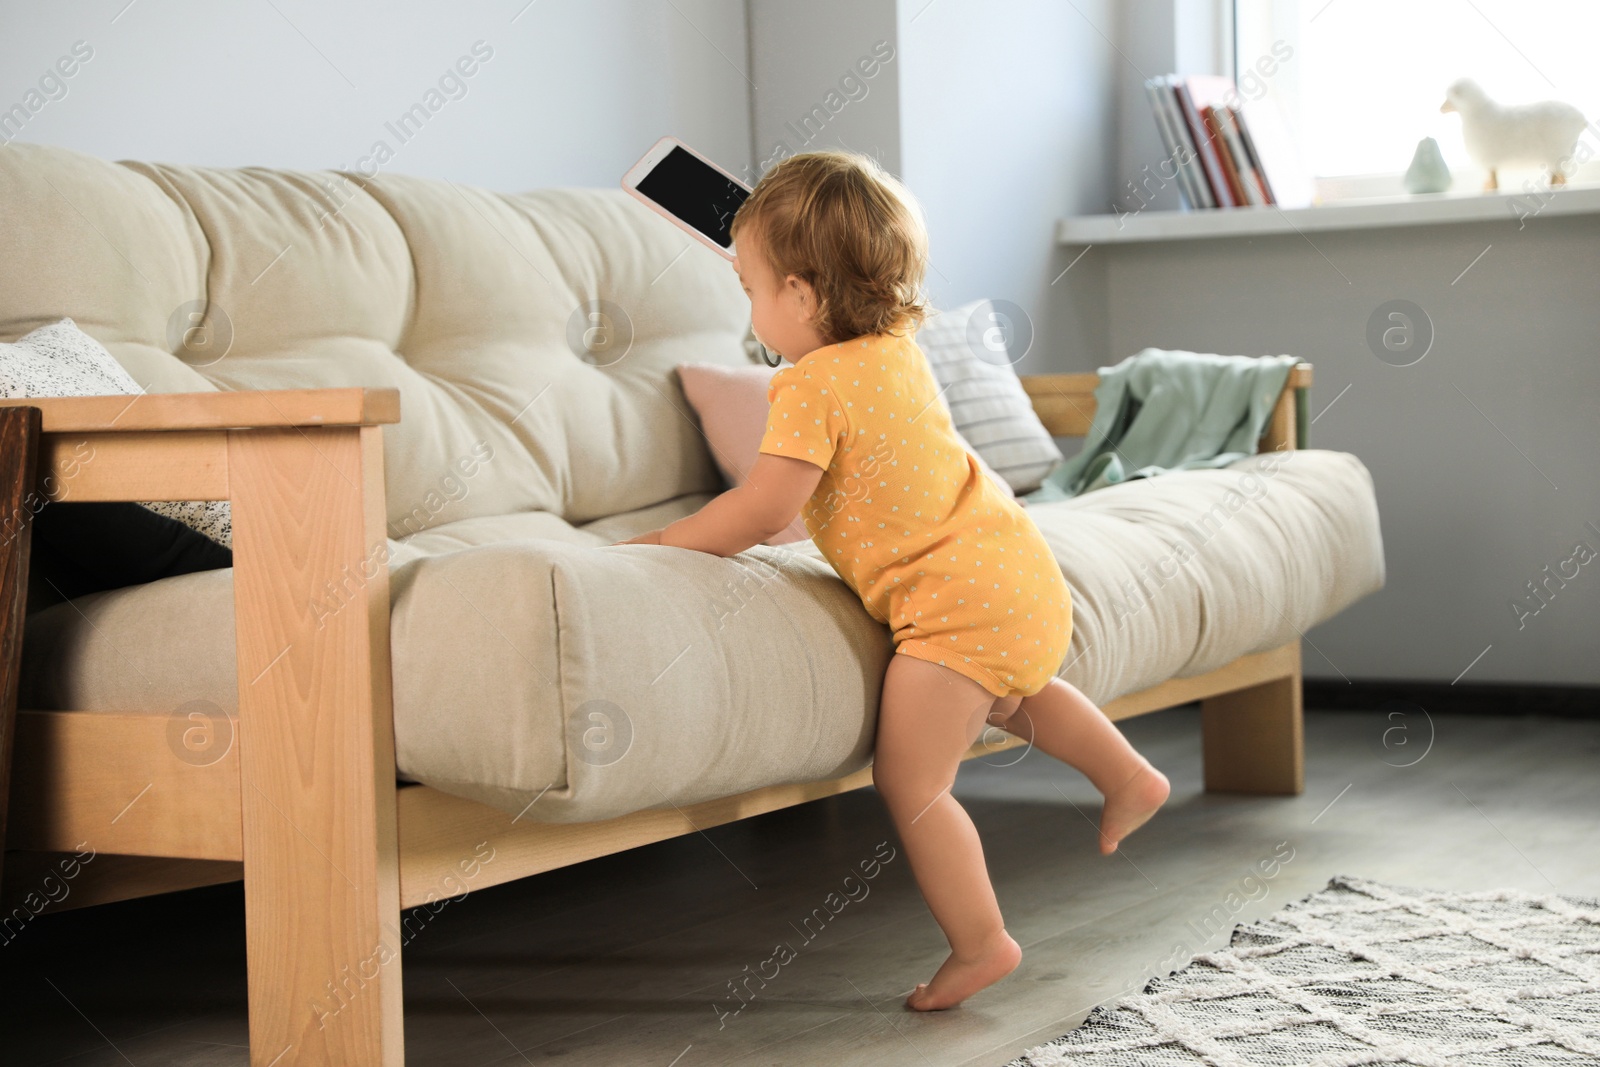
[[733, 521]]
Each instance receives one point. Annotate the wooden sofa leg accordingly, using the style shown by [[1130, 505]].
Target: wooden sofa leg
[[1253, 739], [316, 737]]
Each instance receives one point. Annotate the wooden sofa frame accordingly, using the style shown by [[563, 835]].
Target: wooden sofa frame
[[303, 805]]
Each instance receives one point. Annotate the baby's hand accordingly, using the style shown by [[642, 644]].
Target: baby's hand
[[649, 537]]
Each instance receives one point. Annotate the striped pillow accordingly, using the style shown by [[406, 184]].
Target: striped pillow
[[986, 400]]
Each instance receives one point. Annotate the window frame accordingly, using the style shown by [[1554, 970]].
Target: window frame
[[1468, 180]]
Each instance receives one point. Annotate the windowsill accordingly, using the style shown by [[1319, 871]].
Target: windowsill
[[1519, 208]]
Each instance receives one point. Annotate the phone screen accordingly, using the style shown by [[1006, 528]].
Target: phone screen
[[698, 194]]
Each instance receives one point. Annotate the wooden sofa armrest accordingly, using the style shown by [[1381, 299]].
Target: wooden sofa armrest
[[1065, 404]]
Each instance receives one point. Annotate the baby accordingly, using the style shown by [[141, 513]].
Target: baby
[[831, 250]]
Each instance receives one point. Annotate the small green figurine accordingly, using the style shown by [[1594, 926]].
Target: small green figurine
[[1427, 173]]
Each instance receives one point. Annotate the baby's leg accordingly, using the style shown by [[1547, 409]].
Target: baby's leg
[[1063, 722], [928, 718]]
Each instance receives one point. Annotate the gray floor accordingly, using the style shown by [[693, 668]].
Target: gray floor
[[628, 959]]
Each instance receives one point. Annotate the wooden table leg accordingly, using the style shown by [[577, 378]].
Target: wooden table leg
[[19, 449]]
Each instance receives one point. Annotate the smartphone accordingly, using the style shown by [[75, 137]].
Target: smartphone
[[687, 189]]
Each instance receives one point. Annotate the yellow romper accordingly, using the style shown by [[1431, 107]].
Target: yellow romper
[[908, 519]]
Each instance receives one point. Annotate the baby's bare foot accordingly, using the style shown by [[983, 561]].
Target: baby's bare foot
[[958, 979], [1127, 807]]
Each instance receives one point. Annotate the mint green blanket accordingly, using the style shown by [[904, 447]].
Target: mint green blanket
[[1161, 411]]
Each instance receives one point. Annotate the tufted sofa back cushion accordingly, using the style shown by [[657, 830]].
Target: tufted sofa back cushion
[[532, 336]]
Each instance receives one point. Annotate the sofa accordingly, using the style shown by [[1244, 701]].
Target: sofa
[[429, 657]]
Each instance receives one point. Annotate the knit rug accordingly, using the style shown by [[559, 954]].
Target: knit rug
[[1362, 972]]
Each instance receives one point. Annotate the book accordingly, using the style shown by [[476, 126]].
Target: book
[[1197, 175], [1277, 155], [1171, 147], [1230, 169], [1191, 183], [1255, 158], [1205, 144], [1254, 188]]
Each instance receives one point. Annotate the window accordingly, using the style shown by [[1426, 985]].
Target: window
[[1365, 78]]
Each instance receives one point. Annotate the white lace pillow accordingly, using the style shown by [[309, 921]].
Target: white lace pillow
[[62, 360], [986, 400]]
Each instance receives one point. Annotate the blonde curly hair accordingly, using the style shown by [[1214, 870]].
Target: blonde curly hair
[[852, 231]]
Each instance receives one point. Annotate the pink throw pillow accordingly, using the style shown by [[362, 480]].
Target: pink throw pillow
[[731, 403]]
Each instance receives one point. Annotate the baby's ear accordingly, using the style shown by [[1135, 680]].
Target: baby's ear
[[808, 296]]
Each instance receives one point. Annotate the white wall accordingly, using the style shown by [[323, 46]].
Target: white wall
[[827, 74], [1146, 35], [1008, 123], [998, 117], [572, 93]]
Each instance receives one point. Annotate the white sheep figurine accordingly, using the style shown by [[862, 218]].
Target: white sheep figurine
[[1496, 134]]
